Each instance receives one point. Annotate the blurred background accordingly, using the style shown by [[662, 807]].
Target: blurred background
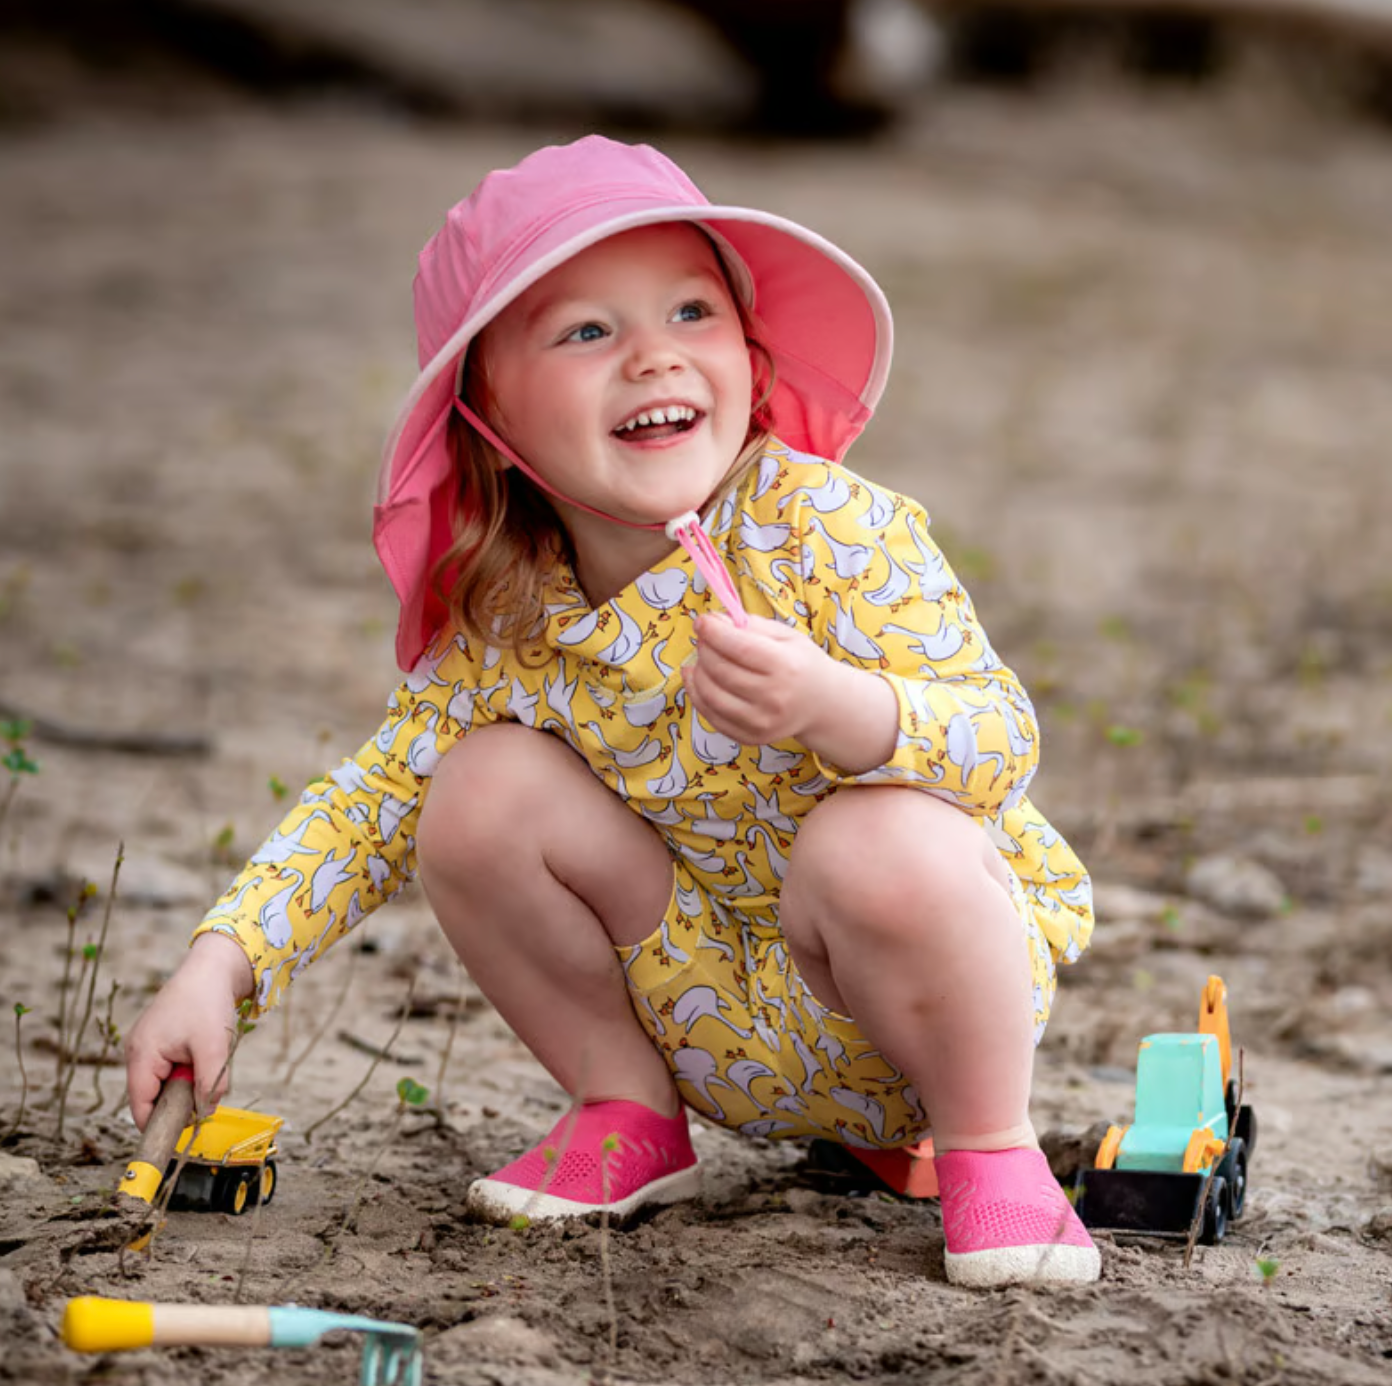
[[1138, 257]]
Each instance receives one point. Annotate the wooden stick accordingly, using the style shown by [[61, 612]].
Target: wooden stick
[[173, 1111]]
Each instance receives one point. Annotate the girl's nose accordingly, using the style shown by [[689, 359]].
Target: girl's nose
[[651, 353]]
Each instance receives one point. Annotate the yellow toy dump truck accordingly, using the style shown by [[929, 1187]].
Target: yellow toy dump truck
[[230, 1165]]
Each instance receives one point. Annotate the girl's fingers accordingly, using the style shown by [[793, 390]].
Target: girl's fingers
[[720, 636], [144, 1078]]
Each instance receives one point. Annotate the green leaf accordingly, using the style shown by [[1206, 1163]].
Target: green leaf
[[520, 1222], [278, 788], [1267, 1268], [14, 729], [1124, 736], [21, 1008], [17, 763], [411, 1092], [89, 951]]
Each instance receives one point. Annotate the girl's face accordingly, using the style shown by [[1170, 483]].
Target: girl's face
[[624, 379]]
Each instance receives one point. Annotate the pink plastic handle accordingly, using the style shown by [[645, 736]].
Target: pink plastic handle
[[686, 530]]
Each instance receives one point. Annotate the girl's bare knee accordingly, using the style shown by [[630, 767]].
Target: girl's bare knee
[[479, 805], [888, 858]]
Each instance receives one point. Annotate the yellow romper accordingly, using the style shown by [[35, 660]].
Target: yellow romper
[[808, 544]]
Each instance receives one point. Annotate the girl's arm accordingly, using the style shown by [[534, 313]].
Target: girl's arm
[[343, 850], [883, 599], [877, 664], [349, 844]]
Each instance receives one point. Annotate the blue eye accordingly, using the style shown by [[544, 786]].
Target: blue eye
[[692, 312], [586, 332]]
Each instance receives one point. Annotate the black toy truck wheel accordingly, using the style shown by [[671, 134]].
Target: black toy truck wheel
[[267, 1182], [235, 1190], [1234, 1170], [1215, 1215]]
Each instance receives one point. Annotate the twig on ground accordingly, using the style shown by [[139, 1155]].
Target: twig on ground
[[95, 739], [65, 991], [1196, 1225], [607, 1147], [551, 1158], [327, 1021], [409, 1093], [110, 1035], [287, 1024], [20, 1011], [95, 959], [439, 1107], [372, 1067], [377, 1051], [252, 1231]]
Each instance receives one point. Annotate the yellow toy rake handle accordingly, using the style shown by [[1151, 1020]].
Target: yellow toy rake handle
[[93, 1324]]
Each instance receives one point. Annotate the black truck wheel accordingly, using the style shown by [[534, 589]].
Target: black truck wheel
[[1215, 1217], [235, 1191], [1234, 1170]]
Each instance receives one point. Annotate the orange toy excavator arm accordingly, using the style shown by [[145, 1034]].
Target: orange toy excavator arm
[[1213, 1020]]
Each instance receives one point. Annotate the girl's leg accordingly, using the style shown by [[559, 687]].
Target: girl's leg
[[536, 871], [897, 911]]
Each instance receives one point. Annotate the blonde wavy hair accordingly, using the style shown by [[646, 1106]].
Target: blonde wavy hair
[[508, 537]]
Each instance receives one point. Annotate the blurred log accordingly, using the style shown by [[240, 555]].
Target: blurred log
[[1350, 41], [1368, 21]]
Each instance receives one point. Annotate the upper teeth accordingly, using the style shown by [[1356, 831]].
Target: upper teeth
[[675, 413]]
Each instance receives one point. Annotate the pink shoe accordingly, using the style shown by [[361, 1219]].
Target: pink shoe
[[570, 1173], [1007, 1222]]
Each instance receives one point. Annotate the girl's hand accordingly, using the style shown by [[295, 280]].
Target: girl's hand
[[190, 1021], [769, 682]]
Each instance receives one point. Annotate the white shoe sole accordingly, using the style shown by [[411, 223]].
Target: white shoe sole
[[1055, 1264], [494, 1201]]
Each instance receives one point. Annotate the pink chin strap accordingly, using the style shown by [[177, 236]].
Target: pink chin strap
[[685, 529]]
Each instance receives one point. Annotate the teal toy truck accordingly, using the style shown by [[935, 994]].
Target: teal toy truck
[[1184, 1158]]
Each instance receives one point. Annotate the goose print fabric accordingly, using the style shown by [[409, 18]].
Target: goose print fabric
[[808, 544]]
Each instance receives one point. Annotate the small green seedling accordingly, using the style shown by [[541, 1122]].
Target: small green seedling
[[222, 845], [13, 732]]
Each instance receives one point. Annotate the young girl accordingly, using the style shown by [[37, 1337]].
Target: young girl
[[710, 774]]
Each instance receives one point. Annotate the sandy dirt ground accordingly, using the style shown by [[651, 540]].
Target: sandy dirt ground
[[1142, 340]]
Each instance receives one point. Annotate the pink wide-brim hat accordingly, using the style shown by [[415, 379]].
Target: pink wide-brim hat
[[824, 320]]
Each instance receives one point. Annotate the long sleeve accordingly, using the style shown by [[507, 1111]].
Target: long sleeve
[[349, 844], [879, 594]]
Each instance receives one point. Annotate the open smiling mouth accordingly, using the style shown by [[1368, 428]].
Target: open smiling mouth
[[655, 424]]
